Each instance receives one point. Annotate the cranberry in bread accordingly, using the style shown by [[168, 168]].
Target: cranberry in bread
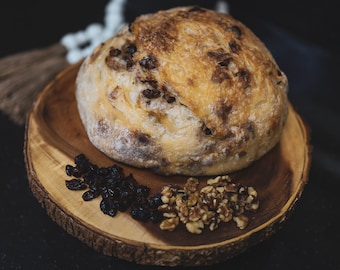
[[183, 91]]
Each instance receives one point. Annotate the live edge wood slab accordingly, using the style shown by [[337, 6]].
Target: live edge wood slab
[[54, 136]]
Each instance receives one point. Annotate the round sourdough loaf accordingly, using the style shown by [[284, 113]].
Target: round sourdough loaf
[[183, 91]]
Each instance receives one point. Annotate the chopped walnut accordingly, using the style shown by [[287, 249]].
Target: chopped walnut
[[241, 221], [195, 226], [192, 199], [213, 223], [169, 224], [220, 200], [225, 212], [191, 185]]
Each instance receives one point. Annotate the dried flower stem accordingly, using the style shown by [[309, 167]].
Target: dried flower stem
[[23, 76]]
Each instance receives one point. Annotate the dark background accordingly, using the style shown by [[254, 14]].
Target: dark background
[[303, 37]]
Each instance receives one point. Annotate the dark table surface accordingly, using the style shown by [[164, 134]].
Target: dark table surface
[[304, 39]]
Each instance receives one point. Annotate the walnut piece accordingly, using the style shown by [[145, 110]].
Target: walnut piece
[[195, 226], [241, 221], [169, 224]]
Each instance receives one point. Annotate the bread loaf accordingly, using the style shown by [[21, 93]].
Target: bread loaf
[[183, 91]]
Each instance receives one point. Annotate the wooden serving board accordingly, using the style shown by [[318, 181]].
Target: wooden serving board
[[55, 135]]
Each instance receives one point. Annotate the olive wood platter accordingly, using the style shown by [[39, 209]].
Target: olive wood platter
[[54, 136]]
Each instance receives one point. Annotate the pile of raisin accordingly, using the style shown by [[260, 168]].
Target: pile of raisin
[[117, 191]]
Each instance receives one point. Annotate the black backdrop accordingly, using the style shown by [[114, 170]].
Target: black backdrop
[[304, 38]]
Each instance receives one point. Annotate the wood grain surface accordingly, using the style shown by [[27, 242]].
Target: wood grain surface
[[55, 135]]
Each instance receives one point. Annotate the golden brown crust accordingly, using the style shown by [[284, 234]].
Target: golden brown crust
[[183, 91]]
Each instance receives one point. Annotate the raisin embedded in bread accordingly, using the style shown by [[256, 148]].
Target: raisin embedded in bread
[[183, 91]]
